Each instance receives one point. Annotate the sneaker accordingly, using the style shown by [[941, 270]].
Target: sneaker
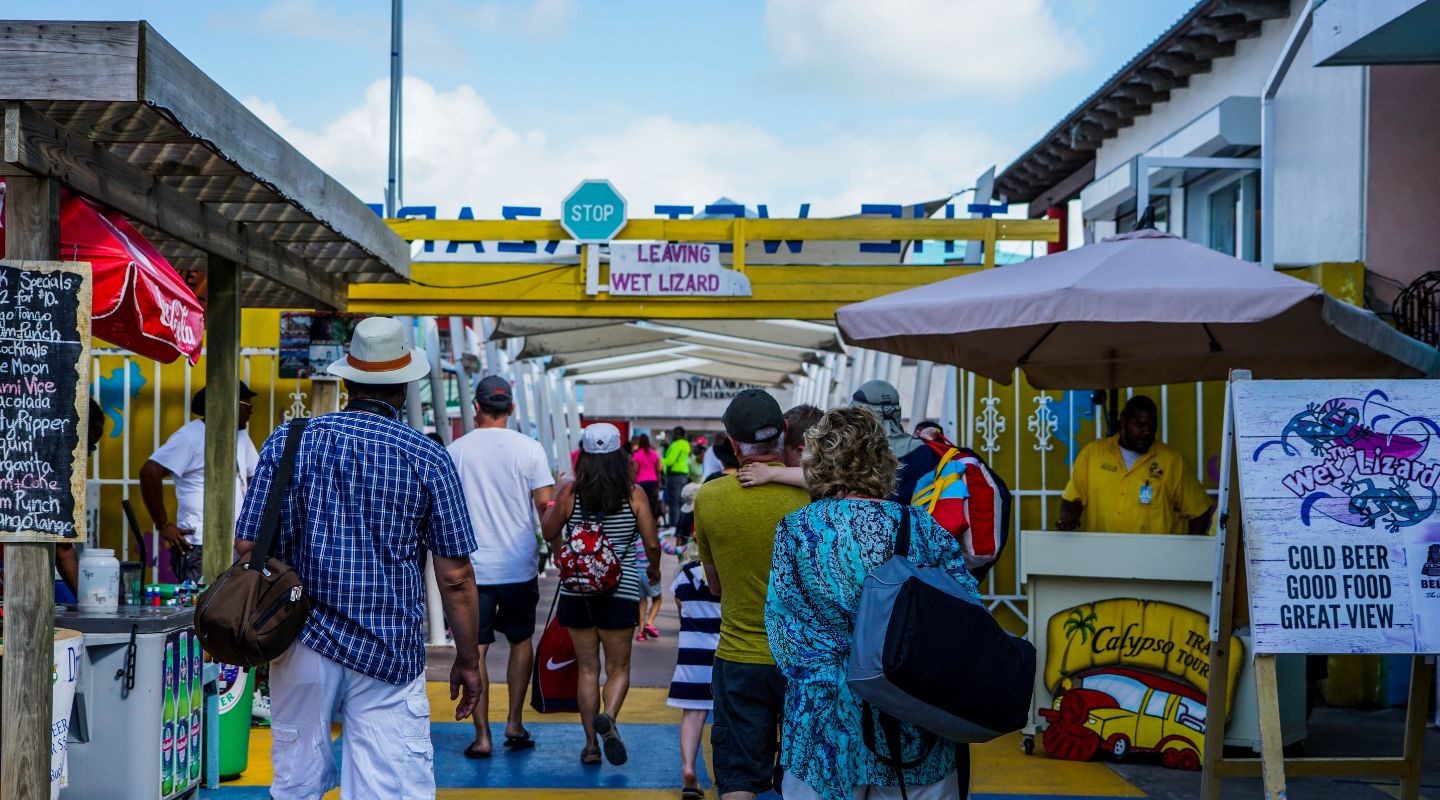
[[260, 706], [651, 631]]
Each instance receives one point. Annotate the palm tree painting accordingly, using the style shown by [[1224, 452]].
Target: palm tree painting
[[1080, 623]]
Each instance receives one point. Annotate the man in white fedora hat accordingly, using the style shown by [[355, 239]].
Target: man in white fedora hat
[[368, 492]]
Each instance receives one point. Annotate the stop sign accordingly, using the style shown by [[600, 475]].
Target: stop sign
[[594, 212]]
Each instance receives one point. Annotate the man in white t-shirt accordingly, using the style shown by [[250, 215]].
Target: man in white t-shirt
[[183, 457], [507, 481]]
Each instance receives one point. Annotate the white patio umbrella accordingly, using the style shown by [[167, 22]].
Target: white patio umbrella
[[1139, 309]]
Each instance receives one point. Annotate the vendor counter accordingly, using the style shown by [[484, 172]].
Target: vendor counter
[[1120, 623]]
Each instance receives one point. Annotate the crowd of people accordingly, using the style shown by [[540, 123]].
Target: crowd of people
[[776, 522]]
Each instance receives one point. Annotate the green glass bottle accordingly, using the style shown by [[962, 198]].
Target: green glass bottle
[[182, 714], [197, 669], [167, 725]]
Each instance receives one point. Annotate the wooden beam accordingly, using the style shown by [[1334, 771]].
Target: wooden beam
[[1159, 79], [1180, 64], [1108, 120], [1064, 191], [1203, 47], [69, 61], [1255, 10], [1226, 29], [1422, 683], [42, 147], [169, 81], [222, 396], [32, 232], [1142, 93]]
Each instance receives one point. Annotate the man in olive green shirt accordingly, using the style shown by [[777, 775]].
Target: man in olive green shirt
[[735, 531]]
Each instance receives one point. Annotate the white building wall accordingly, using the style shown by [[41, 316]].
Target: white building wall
[[1320, 123], [1320, 144]]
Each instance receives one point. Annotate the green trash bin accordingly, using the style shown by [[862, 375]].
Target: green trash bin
[[237, 686]]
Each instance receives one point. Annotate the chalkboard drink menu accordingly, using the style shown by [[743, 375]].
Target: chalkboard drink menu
[[44, 369]]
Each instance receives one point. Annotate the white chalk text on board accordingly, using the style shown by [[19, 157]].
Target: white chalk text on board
[[1338, 484], [44, 367]]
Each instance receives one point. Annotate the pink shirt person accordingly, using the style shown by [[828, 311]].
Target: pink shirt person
[[647, 465]]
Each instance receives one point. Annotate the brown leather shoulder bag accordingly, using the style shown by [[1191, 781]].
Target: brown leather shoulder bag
[[255, 610]]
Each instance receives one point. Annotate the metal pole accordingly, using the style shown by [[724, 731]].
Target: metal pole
[[467, 391], [438, 405], [572, 404], [397, 44], [414, 406], [842, 374], [921, 408]]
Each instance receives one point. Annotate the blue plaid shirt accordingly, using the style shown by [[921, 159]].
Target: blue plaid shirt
[[367, 492]]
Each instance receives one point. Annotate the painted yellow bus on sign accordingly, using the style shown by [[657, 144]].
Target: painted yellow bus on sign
[[1129, 676]]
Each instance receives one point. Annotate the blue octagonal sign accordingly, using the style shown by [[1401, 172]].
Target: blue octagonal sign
[[594, 212]]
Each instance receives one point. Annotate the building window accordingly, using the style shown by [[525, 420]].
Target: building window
[[1224, 213]]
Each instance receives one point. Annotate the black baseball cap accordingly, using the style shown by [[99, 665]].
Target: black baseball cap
[[751, 412], [197, 403], [494, 391]]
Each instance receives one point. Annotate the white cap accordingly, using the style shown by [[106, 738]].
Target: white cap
[[600, 438], [379, 355]]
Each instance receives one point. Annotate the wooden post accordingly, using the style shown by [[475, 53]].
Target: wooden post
[[1272, 744], [1422, 678], [222, 406], [32, 232], [324, 397], [1217, 696]]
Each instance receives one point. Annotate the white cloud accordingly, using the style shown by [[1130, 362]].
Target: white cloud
[[919, 49], [459, 153]]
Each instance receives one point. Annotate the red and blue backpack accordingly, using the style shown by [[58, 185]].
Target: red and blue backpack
[[965, 496]]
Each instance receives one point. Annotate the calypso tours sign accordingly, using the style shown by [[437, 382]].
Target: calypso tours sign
[[1130, 676], [673, 269], [1143, 634]]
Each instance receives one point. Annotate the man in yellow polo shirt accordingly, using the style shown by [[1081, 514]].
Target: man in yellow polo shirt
[[1130, 483]]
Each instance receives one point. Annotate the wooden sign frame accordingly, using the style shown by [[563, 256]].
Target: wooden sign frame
[[82, 394], [1272, 766]]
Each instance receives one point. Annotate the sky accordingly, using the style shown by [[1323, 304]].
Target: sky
[[834, 103]]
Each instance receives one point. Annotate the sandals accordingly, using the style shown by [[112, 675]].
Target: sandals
[[610, 739], [692, 793], [472, 753], [590, 757], [521, 742]]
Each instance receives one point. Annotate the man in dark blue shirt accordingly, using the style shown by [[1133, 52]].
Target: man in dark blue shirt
[[368, 493]]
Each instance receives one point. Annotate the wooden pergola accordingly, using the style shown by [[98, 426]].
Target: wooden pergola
[[112, 111]]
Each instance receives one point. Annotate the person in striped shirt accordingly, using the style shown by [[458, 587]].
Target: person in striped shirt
[[690, 688]]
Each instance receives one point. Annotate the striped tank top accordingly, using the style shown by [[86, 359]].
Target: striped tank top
[[620, 528]]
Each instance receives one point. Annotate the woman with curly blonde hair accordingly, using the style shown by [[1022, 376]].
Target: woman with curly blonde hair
[[823, 553]]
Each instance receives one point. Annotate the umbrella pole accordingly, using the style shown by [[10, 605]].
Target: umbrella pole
[[1112, 415]]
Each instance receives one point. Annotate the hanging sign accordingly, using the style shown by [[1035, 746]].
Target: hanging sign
[[44, 369], [1338, 484], [673, 269]]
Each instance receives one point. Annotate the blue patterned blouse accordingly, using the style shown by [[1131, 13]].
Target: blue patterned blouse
[[823, 552]]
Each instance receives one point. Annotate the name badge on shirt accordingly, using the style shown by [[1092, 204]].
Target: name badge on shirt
[[1145, 494]]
